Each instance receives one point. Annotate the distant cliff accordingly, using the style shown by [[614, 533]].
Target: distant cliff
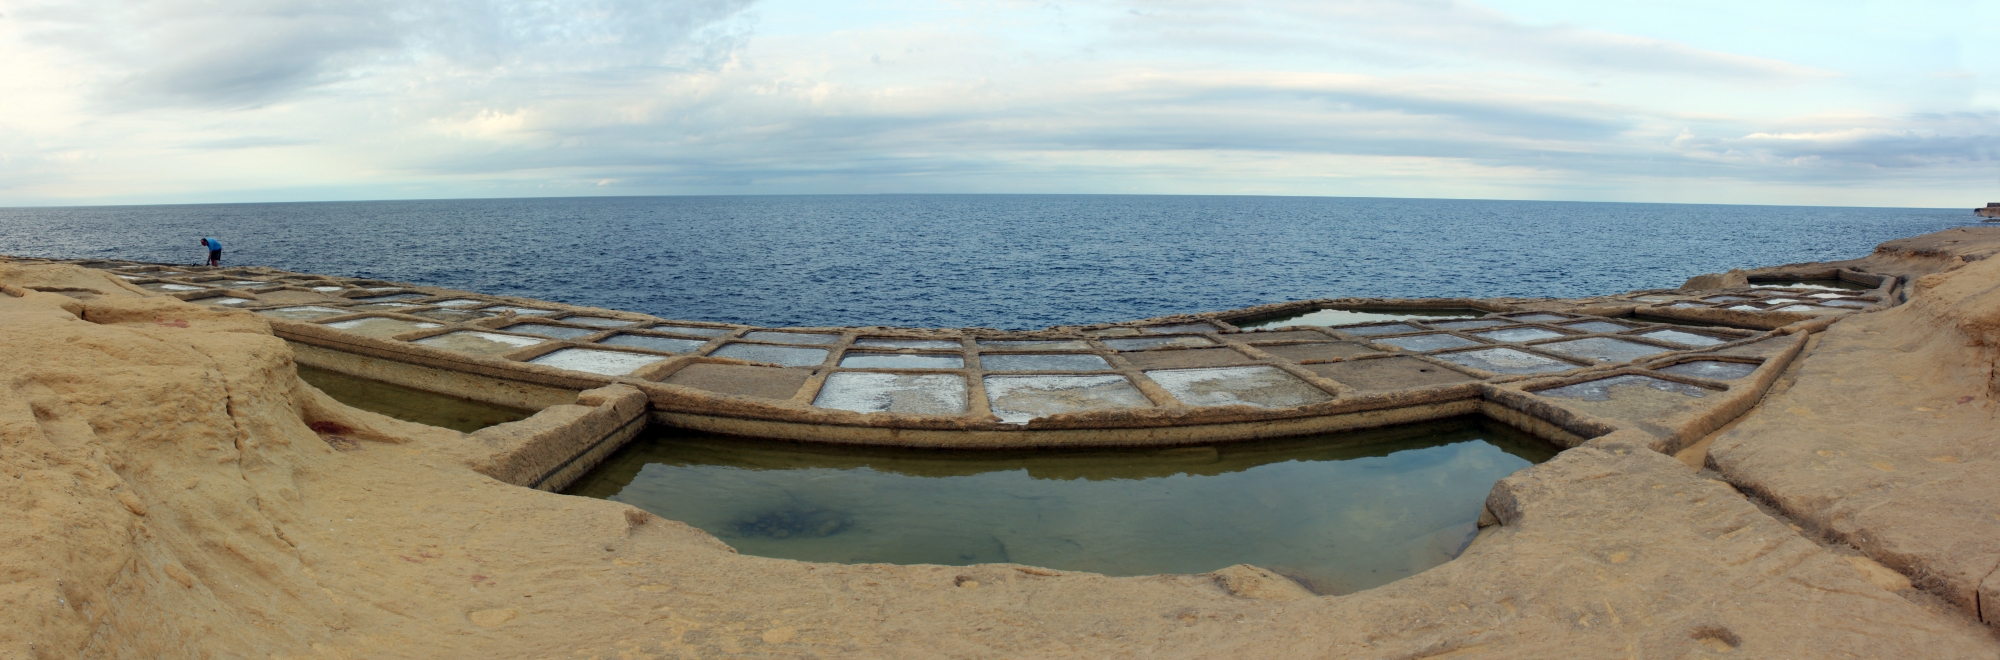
[[1991, 212]]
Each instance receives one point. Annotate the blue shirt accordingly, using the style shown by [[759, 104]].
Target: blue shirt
[[213, 245]]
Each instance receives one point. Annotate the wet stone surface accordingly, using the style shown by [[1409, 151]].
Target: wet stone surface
[[552, 331], [1468, 324], [1682, 337], [1260, 386], [1507, 361], [1603, 349], [649, 342], [1712, 369], [1518, 334], [304, 312], [1373, 330], [1183, 327], [1390, 373], [472, 342], [902, 361], [741, 380], [804, 338], [784, 356], [598, 321], [1043, 362], [1598, 326], [591, 360], [381, 327], [1319, 352], [1135, 343], [224, 301], [1018, 399], [1604, 389], [921, 394], [895, 342], [1427, 342], [1193, 357], [1538, 318], [690, 330], [1033, 345], [451, 315]]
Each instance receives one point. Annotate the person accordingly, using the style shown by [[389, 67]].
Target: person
[[214, 251]]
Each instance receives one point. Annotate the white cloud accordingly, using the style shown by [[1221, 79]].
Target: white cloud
[[281, 99]]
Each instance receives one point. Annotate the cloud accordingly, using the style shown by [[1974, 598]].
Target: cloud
[[1428, 33], [245, 53]]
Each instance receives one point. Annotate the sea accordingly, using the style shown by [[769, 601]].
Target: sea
[[999, 261]]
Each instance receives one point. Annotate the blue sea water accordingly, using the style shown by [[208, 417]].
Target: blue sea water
[[1004, 261]]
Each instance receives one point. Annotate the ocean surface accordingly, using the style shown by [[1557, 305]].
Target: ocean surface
[[1003, 261]]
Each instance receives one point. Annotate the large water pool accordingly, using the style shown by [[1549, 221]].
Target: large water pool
[[1337, 512]]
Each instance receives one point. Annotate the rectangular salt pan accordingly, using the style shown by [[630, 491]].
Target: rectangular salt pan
[[1682, 338], [1472, 323], [460, 302], [598, 321], [326, 289], [901, 361], [917, 394], [590, 360], [1713, 369], [399, 296], [792, 337], [1525, 334], [1260, 386], [554, 331], [1136, 343], [381, 327], [472, 342], [307, 312], [662, 344], [897, 342], [1599, 326], [1043, 362], [1427, 342], [222, 300], [1507, 361], [1182, 327], [784, 356], [169, 286], [1603, 389], [524, 311], [1538, 318], [1034, 345], [1019, 399], [691, 330], [1603, 349]]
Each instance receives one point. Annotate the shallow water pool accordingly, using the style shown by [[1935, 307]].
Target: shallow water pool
[[409, 404], [1337, 512]]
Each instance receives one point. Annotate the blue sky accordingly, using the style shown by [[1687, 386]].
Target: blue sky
[[1836, 103]]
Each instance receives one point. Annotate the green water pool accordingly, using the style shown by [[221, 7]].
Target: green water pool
[[1337, 512], [409, 404]]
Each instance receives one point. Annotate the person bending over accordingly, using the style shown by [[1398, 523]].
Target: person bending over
[[214, 251]]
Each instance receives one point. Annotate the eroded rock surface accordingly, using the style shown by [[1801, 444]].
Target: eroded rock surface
[[175, 491]]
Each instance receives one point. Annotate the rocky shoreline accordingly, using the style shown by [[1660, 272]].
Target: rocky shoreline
[[178, 492]]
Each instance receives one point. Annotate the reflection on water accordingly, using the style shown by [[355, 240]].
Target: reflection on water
[[1336, 317], [408, 404], [1338, 512]]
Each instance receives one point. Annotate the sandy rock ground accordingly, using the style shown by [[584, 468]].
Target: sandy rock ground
[[166, 495]]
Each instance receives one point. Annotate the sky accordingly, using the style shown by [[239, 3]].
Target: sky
[[1693, 101]]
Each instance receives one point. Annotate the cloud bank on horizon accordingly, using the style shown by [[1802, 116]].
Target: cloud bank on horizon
[[129, 101]]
